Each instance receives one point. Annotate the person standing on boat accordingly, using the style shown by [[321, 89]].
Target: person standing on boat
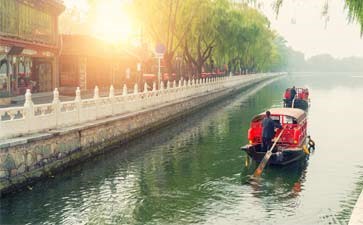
[[292, 93], [268, 131]]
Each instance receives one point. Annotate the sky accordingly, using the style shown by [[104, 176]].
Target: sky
[[301, 23]]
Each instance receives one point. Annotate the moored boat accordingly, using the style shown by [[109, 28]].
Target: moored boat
[[291, 145], [300, 100]]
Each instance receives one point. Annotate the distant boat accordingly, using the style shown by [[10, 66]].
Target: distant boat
[[300, 101], [290, 146]]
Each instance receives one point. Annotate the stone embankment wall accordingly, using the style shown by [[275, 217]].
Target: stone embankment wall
[[27, 156]]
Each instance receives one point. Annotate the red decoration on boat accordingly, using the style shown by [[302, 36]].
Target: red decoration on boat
[[290, 146]]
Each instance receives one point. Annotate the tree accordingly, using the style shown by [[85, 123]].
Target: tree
[[166, 22], [205, 32], [355, 8]]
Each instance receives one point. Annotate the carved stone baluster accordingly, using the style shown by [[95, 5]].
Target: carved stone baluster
[[96, 93], [78, 101], [136, 89], [124, 90], [57, 108], [112, 100], [145, 88], [29, 111], [78, 95], [112, 92], [154, 86]]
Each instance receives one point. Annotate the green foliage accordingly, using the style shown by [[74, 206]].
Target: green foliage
[[355, 8], [213, 30]]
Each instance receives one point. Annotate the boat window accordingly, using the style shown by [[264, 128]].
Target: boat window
[[289, 120], [276, 119], [258, 118]]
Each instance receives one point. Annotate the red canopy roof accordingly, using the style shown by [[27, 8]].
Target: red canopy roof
[[298, 114]]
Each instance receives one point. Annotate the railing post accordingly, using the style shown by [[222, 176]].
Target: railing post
[[161, 92], [56, 106], [145, 88], [174, 90], [29, 111], [112, 92], [111, 96], [197, 86], [78, 101], [136, 89], [193, 86], [154, 86], [124, 99], [145, 97], [96, 97], [136, 103], [181, 88], [167, 96], [124, 90], [96, 94], [153, 95]]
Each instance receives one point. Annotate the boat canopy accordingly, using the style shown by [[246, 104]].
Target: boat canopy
[[295, 113]]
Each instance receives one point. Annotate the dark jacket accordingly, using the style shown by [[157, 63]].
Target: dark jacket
[[292, 93], [268, 128]]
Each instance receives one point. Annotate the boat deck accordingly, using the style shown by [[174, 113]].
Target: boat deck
[[357, 215]]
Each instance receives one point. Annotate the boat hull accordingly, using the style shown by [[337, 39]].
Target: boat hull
[[279, 158], [299, 103]]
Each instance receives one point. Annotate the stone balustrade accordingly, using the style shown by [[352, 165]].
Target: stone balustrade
[[32, 118]]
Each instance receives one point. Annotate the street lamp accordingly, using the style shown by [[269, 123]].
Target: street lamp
[[159, 52]]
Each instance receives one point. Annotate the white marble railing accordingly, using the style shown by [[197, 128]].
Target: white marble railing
[[32, 118]]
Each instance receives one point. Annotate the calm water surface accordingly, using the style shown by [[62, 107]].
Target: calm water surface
[[193, 172]]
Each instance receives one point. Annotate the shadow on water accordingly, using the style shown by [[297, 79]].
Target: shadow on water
[[269, 184]]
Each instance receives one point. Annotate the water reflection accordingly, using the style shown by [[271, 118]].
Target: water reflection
[[278, 184]]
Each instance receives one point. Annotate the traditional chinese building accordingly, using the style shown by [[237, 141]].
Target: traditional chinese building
[[29, 45], [87, 62]]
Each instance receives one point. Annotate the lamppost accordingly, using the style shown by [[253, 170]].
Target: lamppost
[[159, 52]]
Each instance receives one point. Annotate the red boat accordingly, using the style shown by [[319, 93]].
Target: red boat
[[300, 101], [290, 146]]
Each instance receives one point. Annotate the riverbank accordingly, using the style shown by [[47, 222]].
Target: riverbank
[[25, 159]]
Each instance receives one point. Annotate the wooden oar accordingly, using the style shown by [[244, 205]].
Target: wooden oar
[[265, 159]]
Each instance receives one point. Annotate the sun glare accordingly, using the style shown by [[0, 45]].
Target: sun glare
[[112, 23]]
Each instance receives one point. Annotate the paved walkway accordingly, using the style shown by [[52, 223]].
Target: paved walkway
[[38, 98], [357, 215], [47, 97]]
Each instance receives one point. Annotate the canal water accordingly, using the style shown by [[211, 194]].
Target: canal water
[[192, 172]]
